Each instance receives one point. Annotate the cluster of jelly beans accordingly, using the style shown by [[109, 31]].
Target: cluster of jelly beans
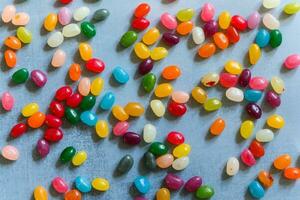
[[38, 77], [70, 154]]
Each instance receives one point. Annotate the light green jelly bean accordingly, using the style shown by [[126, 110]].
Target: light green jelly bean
[[292, 8], [24, 35], [212, 104], [185, 14]]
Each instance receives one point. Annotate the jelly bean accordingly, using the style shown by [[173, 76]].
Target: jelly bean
[[168, 21], [89, 118], [207, 12], [64, 16], [232, 34], [145, 66], [262, 38], [276, 121], [97, 86], [57, 109], [128, 39], [253, 95], [148, 82], [38, 77], [158, 53], [88, 29], [275, 38], [53, 121], [43, 147], [102, 129], [40, 193], [81, 13], [141, 50], [10, 58], [291, 8], [24, 35], [207, 50], [292, 61], [59, 58], [73, 195], [264, 135], [142, 10], [292, 173], [79, 158], [253, 20], [233, 67], [157, 107], [273, 99], [20, 76], [193, 184], [60, 185], [85, 51], [254, 53], [100, 15], [13, 42], [151, 36], [235, 94], [232, 166], [221, 40], [212, 104], [256, 190], [149, 161], [181, 150], [171, 72], [163, 90], [149, 133], [177, 109], [185, 15], [88, 102], [71, 30], [72, 115], [140, 23], [180, 163], [173, 182], [165, 161], [265, 179], [248, 158], [8, 13], [120, 128], [217, 127], [131, 138], [53, 135], [67, 154], [283, 161], [63, 93], [50, 21], [125, 164], [205, 192], [134, 109], [119, 113], [158, 148], [163, 194], [74, 72], [277, 84], [142, 184], [258, 83], [66, 2], [107, 101], [36, 120], [95, 65], [84, 86], [170, 39], [18, 130], [224, 20], [100, 184], [239, 22], [270, 21], [175, 138], [199, 95], [10, 152], [198, 35], [180, 96], [83, 184], [185, 28], [246, 129], [20, 19], [210, 28], [257, 149], [245, 78], [228, 80], [254, 110], [269, 4]]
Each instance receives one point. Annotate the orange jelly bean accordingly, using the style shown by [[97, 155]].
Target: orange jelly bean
[[13, 42], [265, 178], [73, 195], [75, 72], [221, 40], [207, 50], [171, 72], [36, 120], [292, 173], [282, 161], [217, 126], [185, 28], [10, 58]]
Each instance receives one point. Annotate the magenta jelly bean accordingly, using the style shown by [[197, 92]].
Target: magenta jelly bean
[[292, 61], [248, 158], [38, 77], [207, 12], [253, 20], [273, 99], [170, 38], [245, 78], [228, 80], [7, 101], [258, 83], [193, 184], [42, 147], [146, 66], [131, 138], [168, 21], [64, 16], [60, 185], [120, 128], [173, 182], [95, 65], [210, 28], [254, 110]]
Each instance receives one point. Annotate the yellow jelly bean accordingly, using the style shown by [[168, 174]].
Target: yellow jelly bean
[[159, 53], [224, 19], [276, 121], [30, 109], [40, 193], [85, 51], [134, 109], [100, 184], [246, 129], [292, 8], [119, 113], [151, 36], [163, 194], [185, 14], [277, 84], [163, 90], [254, 53], [141, 50], [199, 95], [97, 86], [79, 158], [212, 104], [181, 150], [102, 128], [24, 35], [233, 67], [50, 22]]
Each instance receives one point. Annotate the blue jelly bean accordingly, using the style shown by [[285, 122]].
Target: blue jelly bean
[[253, 95], [89, 118], [256, 190], [142, 184], [107, 101], [83, 184], [120, 75], [262, 38]]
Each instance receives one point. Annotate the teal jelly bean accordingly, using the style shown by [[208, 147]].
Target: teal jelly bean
[[262, 38], [142, 184], [88, 102], [120, 75], [148, 82], [88, 29], [256, 190], [100, 15], [89, 118], [83, 184], [275, 38], [128, 39], [253, 95], [20, 76], [107, 101]]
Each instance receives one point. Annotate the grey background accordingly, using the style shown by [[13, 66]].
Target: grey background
[[208, 156]]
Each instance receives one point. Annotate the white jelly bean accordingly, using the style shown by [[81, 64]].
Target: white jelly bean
[[232, 166], [180, 96], [269, 4], [8, 13], [264, 135], [198, 35], [270, 21], [235, 94], [149, 133], [71, 30], [81, 13], [55, 39], [181, 163], [158, 107]]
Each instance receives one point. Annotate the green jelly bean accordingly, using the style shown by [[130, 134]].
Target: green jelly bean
[[149, 161], [205, 192], [128, 39], [67, 154], [149, 82], [88, 102], [125, 164], [275, 38], [72, 115], [20, 76], [24, 35], [212, 104], [158, 148], [88, 29], [100, 15]]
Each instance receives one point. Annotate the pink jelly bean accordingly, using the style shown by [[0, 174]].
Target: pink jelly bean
[[38, 77], [168, 20], [64, 16], [253, 20], [248, 158], [258, 83], [180, 97], [120, 128], [10, 152], [292, 61], [60, 185], [207, 12], [43, 147], [7, 101]]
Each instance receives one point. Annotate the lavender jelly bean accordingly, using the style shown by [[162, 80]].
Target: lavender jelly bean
[[273, 99], [38, 77], [245, 78], [193, 184], [170, 38], [146, 66], [253, 20], [131, 138], [210, 28], [173, 182], [258, 83], [254, 110], [43, 147], [64, 16]]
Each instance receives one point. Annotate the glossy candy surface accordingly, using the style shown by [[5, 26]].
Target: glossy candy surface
[[101, 14], [210, 28], [163, 194], [107, 101], [50, 21], [158, 148], [193, 184], [119, 113], [253, 95], [64, 16], [20, 19], [128, 39], [283, 161], [217, 127], [212, 104], [185, 14], [185, 28], [175, 138], [149, 133], [142, 184], [132, 138], [177, 109], [232, 34], [292, 8], [7, 101], [13, 42], [277, 84], [256, 190], [253, 20], [221, 40], [276, 121], [89, 118], [38, 77], [165, 161], [40, 193], [102, 128], [100, 184], [83, 184], [146, 66], [210, 79], [270, 21], [71, 30], [232, 166], [264, 135], [248, 158], [224, 20], [246, 129], [95, 65], [257, 149], [134, 109], [254, 53], [228, 80], [173, 182], [234, 94], [79, 158], [168, 21], [199, 95], [10, 58], [273, 99], [125, 164], [8, 13], [262, 38], [18, 130], [72, 195], [142, 10], [36, 120], [265, 179], [244, 78], [10, 152], [58, 58], [198, 35], [292, 173], [254, 110], [182, 150], [157, 107], [207, 50], [207, 12], [158, 53], [180, 163], [140, 23], [269, 4], [275, 38], [239, 22], [171, 72], [233, 67], [141, 50], [120, 75], [151, 36], [120, 128], [205, 192], [292, 61], [24, 35], [60, 185], [20, 76]]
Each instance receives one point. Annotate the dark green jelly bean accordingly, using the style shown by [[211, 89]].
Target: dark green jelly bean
[[149, 82], [67, 154], [88, 29], [72, 115], [128, 39], [275, 38], [100, 15], [20, 76], [88, 102], [149, 161], [125, 164], [158, 148], [205, 192]]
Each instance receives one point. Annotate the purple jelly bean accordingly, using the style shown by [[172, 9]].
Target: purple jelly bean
[[173, 182], [131, 138], [170, 38], [38, 77], [254, 110], [146, 66], [253, 20], [245, 78], [193, 184], [210, 28], [64, 16], [43, 147], [273, 99]]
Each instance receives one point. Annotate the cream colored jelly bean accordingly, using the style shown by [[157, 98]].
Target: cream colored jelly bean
[[235, 94], [59, 58], [97, 86], [180, 163], [232, 166], [270, 21], [55, 39], [159, 53], [165, 161], [180, 96], [163, 90], [181, 150], [264, 135], [79, 158], [198, 35], [269, 4], [151, 36], [8, 13], [210, 79], [199, 95], [276, 121], [102, 128], [84, 86], [141, 50], [30, 109], [246, 129], [157, 107], [277, 84], [71, 30], [81, 13], [20, 19], [149, 133], [10, 152]]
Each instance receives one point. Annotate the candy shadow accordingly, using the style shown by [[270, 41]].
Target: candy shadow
[[4, 161], [31, 87], [92, 1], [52, 192]]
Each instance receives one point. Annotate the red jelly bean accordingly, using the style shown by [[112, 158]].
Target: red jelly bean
[[170, 38], [146, 66], [142, 10], [95, 65], [232, 34], [140, 23], [273, 99], [65, 1], [53, 135], [57, 109], [53, 121], [257, 149], [63, 93], [245, 78], [74, 100], [175, 138], [177, 109], [239, 22], [228, 80], [18, 130]]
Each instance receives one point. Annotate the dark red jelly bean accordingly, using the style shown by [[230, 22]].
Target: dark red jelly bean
[[43, 147], [175, 138], [53, 135], [257, 149], [173, 182], [245, 78], [53, 121], [63, 93], [140, 23], [146, 66], [177, 109], [74, 100], [18, 130], [131, 138], [57, 109], [95, 65], [193, 184], [232, 35], [210, 28], [254, 110], [228, 80], [65, 1], [170, 39], [239, 22], [273, 99]]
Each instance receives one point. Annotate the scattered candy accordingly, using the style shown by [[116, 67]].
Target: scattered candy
[[232, 166], [10, 152]]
